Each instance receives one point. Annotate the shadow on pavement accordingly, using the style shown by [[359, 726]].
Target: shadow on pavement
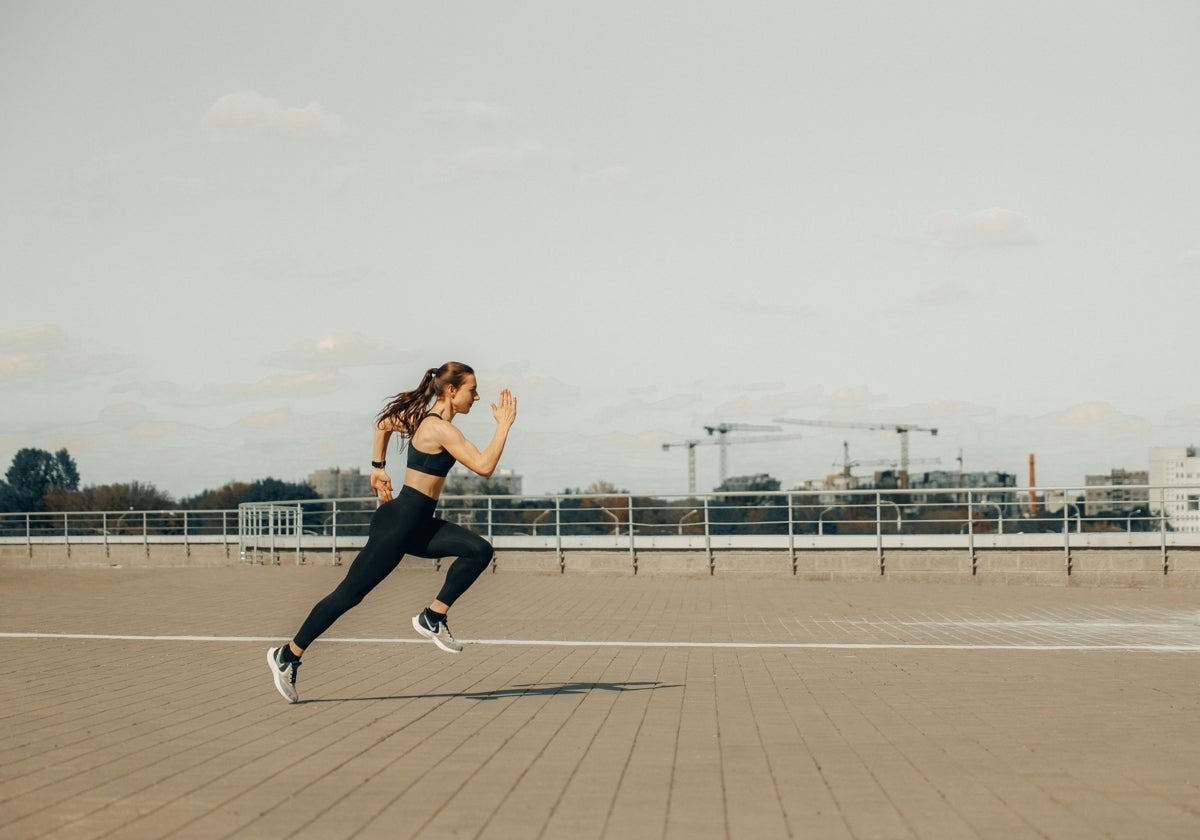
[[519, 690]]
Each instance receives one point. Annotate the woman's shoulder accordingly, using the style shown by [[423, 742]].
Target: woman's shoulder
[[434, 431], [390, 424]]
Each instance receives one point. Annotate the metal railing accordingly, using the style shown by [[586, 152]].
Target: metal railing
[[145, 527], [879, 520], [120, 526], [967, 518]]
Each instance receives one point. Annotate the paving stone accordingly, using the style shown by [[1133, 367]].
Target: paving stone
[[135, 703]]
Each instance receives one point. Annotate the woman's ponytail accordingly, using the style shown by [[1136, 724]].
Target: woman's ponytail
[[407, 409]]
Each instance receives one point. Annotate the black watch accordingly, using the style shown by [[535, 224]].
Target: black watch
[[379, 464]]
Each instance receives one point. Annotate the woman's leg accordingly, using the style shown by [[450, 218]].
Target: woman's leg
[[472, 553], [391, 526]]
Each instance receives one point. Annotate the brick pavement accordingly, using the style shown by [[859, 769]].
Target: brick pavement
[[847, 709]]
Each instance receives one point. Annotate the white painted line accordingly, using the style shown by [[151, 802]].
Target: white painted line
[[119, 637], [629, 644]]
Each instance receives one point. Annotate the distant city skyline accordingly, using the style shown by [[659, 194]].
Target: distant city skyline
[[223, 252], [463, 481]]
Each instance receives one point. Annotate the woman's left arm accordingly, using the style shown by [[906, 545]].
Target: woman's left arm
[[381, 484]]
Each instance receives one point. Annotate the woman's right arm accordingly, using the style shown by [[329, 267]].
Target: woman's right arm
[[483, 462]]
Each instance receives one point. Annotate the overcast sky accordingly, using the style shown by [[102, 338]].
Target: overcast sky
[[230, 230]]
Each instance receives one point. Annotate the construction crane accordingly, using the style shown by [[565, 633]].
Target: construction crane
[[846, 463], [901, 429], [692, 444], [723, 429]]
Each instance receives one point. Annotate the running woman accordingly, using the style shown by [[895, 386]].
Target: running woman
[[405, 524]]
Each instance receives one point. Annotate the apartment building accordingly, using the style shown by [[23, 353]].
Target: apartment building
[[987, 488], [337, 483], [1118, 491], [504, 482], [1175, 486]]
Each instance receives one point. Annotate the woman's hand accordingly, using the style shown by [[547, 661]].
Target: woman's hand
[[506, 412], [381, 484]]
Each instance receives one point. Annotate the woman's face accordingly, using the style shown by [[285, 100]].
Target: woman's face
[[463, 397]]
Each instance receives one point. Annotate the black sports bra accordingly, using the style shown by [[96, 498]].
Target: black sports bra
[[438, 464]]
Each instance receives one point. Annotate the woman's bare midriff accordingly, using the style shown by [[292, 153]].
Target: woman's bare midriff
[[425, 484]]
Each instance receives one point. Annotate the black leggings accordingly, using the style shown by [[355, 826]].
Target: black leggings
[[405, 525]]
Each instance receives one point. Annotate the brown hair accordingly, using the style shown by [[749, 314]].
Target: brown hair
[[408, 408]]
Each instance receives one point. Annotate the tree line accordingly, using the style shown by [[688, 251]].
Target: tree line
[[38, 481], [41, 481]]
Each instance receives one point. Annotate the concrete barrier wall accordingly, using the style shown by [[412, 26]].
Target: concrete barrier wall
[[1123, 567], [97, 555]]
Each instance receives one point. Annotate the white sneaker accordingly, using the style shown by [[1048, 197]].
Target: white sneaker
[[440, 634], [284, 674]]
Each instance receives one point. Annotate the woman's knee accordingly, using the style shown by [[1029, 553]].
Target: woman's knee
[[470, 563], [475, 556], [482, 551], [477, 553]]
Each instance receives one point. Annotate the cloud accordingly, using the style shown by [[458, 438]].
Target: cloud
[[152, 431], [445, 110], [639, 441], [333, 351], [305, 384], [855, 394], [119, 411], [1135, 426], [639, 407], [268, 420], [1085, 414], [45, 353], [955, 409], [248, 112], [983, 228], [32, 341], [29, 352]]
